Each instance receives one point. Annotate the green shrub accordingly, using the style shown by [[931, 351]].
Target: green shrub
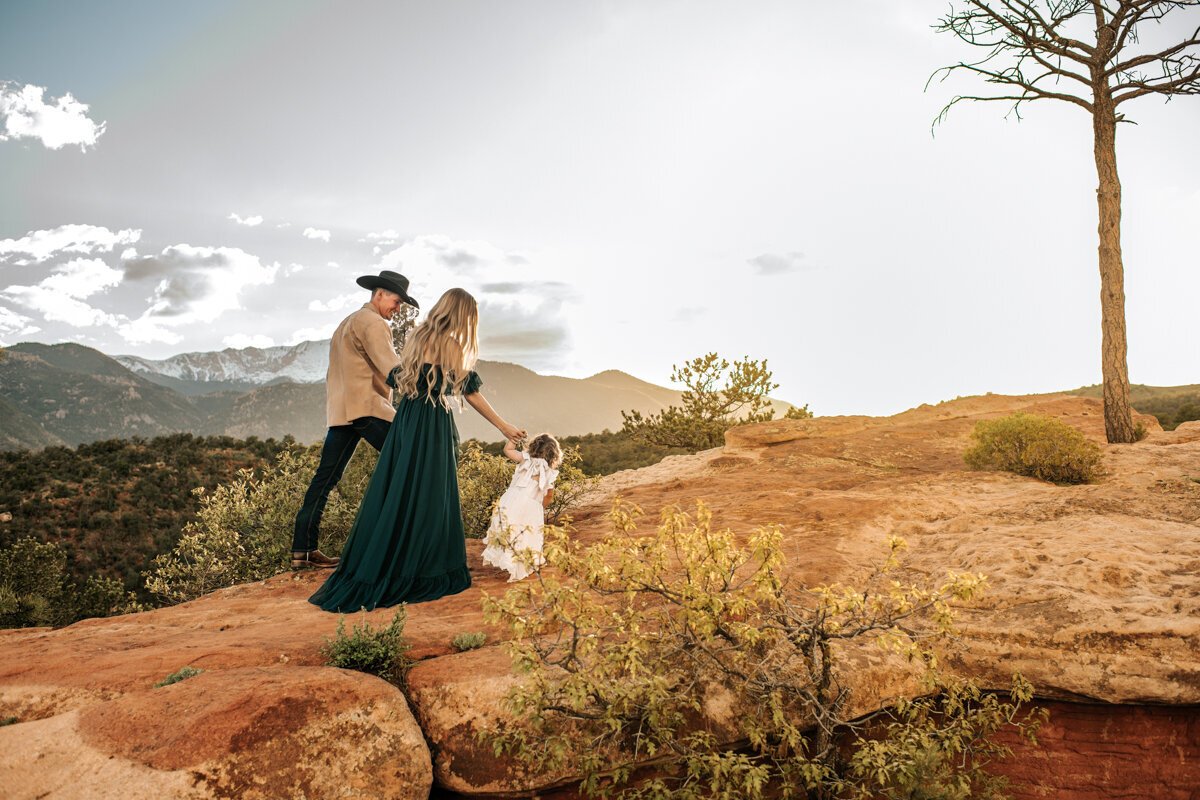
[[181, 675], [378, 651], [1188, 412], [482, 478], [570, 487], [33, 587], [626, 643], [798, 412], [707, 410], [468, 641], [1034, 446], [8, 721], [243, 531]]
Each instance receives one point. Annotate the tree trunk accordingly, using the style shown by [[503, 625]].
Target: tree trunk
[[1118, 416]]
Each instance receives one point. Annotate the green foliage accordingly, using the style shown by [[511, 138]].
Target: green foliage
[[570, 486], [483, 477], [243, 531], [8, 721], [1035, 446], [113, 505], [33, 587], [378, 651], [708, 409], [181, 675], [468, 641], [935, 746], [668, 647], [798, 412], [1188, 412]]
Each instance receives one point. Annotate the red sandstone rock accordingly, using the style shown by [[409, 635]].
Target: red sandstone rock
[[253, 732], [1094, 596]]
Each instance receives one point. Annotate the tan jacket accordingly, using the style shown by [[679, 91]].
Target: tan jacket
[[360, 357]]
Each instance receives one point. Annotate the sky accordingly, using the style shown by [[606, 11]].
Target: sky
[[622, 184]]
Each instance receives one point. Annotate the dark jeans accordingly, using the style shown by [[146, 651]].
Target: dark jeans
[[340, 442]]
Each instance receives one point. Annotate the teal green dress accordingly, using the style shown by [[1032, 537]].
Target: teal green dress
[[407, 543]]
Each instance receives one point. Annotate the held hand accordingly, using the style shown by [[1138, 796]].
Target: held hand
[[513, 433]]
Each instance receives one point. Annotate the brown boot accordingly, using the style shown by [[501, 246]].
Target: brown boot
[[313, 559]]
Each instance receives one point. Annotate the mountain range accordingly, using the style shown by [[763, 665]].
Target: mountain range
[[68, 394]]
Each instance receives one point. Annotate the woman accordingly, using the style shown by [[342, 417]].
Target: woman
[[407, 543]]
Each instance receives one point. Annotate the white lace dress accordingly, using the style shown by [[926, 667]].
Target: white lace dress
[[514, 538]]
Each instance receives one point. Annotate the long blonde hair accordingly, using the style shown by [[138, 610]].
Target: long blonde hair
[[449, 338]]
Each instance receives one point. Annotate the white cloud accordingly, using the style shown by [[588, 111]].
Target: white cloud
[[145, 330], [378, 238], [284, 225], [247, 221], [240, 341], [521, 315], [194, 284], [129, 254], [779, 263], [340, 302], [59, 296], [313, 334], [333, 264], [14, 324], [87, 239], [314, 233], [57, 124]]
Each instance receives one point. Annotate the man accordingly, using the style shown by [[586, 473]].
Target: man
[[358, 401]]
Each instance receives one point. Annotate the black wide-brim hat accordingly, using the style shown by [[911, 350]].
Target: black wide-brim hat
[[392, 281]]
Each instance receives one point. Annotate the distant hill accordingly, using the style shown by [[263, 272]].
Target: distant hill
[[19, 431], [68, 393], [1170, 404], [77, 395]]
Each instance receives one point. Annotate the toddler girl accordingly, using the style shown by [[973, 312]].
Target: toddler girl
[[514, 538]]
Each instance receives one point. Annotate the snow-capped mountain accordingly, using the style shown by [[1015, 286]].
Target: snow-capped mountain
[[302, 363]]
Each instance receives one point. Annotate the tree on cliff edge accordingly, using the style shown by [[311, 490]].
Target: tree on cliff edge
[[1085, 52]]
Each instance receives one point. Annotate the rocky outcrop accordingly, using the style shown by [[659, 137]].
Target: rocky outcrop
[[1094, 596], [251, 732]]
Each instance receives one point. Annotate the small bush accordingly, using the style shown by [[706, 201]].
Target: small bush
[[1035, 446], [243, 531], [1188, 412], [482, 478], [626, 643], [33, 585], [718, 395], [176, 677], [378, 651], [8, 721], [468, 641], [798, 412], [571, 486]]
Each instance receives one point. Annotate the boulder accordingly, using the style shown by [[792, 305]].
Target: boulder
[[251, 732]]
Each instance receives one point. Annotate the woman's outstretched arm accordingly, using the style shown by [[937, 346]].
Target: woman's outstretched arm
[[480, 404]]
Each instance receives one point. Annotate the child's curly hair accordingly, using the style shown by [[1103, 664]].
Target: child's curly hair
[[546, 447]]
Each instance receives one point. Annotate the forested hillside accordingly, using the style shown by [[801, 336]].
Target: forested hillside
[[113, 505]]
